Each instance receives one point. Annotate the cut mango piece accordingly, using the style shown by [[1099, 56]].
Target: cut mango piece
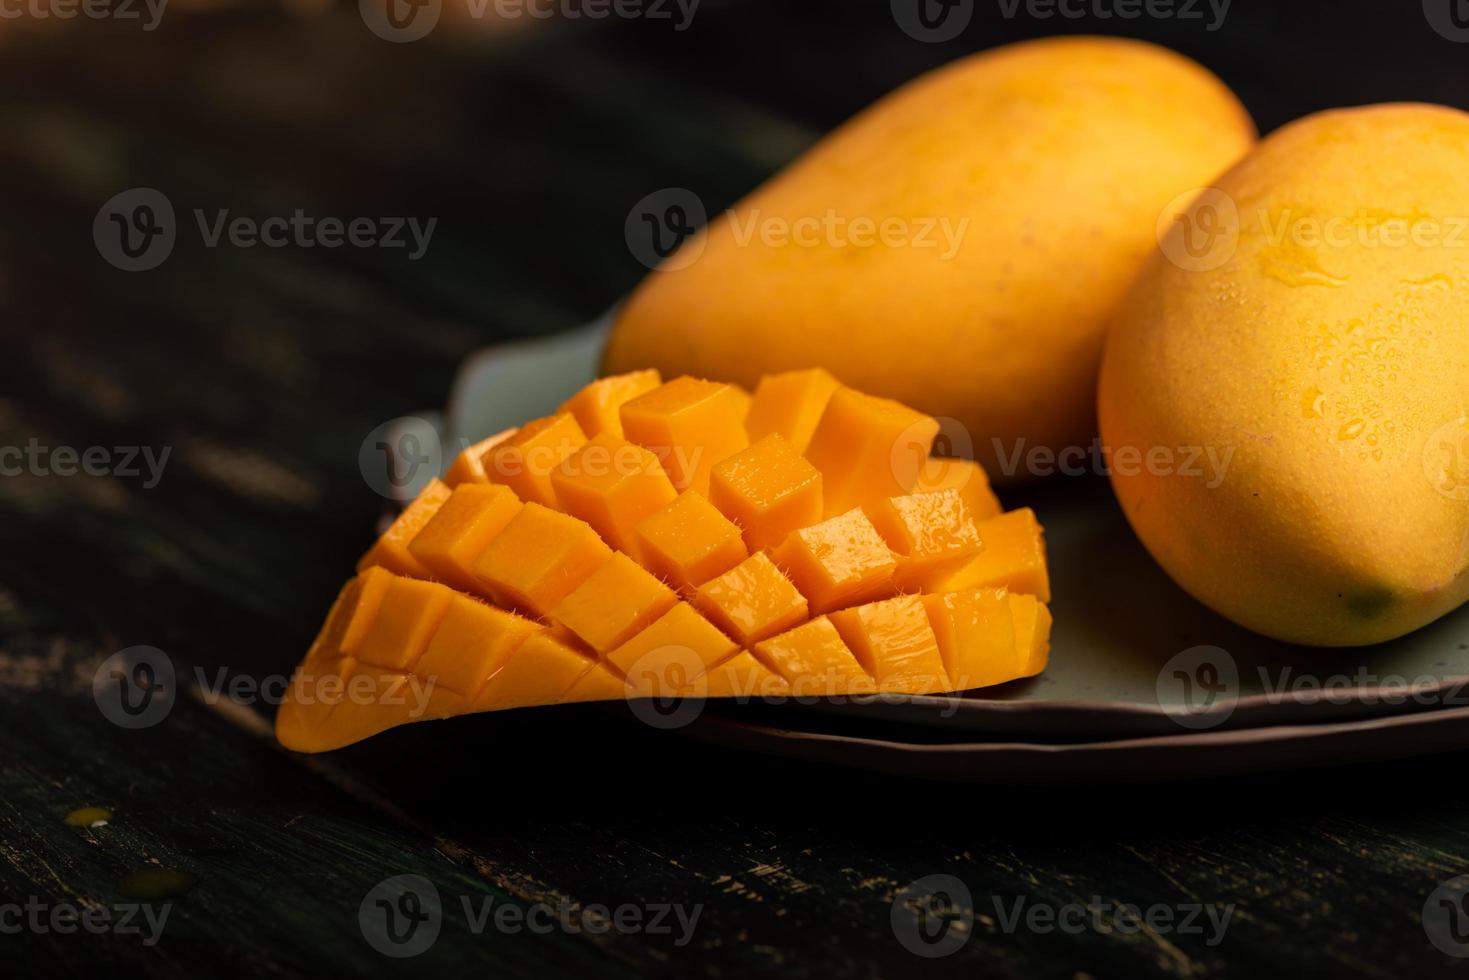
[[894, 642], [743, 676], [613, 485], [358, 610], [689, 542], [976, 632], [690, 424], [752, 601], [678, 647], [539, 558], [840, 562], [391, 550], [1014, 557], [407, 617], [790, 404], [525, 461], [615, 602], [1032, 631], [964, 475], [458, 533], [868, 448], [601, 683], [472, 641], [814, 659], [598, 406], [932, 534], [542, 671], [769, 490], [469, 465]]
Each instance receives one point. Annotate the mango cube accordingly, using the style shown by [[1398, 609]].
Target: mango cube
[[868, 448], [769, 490], [469, 465], [814, 660], [744, 677], [1014, 557], [613, 485], [461, 529], [840, 562], [601, 683], [932, 534], [615, 602], [894, 642], [598, 406], [790, 404], [672, 651], [353, 615], [690, 424], [689, 542], [752, 601], [390, 551], [472, 641], [1032, 631], [539, 558], [964, 475], [542, 671], [410, 612], [524, 462], [976, 633]]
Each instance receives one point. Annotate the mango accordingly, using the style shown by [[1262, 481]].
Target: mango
[[1305, 326], [957, 246], [626, 586]]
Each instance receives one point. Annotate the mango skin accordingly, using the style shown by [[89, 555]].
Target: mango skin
[[1336, 372], [1050, 161]]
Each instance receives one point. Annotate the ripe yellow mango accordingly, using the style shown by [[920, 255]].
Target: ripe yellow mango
[[958, 245], [1307, 325]]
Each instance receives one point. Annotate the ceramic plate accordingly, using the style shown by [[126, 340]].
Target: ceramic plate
[[1132, 654]]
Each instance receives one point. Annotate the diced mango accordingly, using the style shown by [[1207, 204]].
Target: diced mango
[[769, 490], [1032, 632], [752, 601], [676, 648], [525, 461], [932, 534], [746, 678], [461, 529], [469, 465], [868, 448], [615, 602], [601, 683], [790, 404], [598, 406], [373, 700], [613, 485], [1014, 557], [540, 557], [472, 641], [690, 424], [964, 475], [410, 612], [839, 562], [894, 642], [391, 550], [542, 671], [359, 611], [977, 633], [814, 660], [689, 542]]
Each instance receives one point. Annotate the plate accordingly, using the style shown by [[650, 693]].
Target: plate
[[1132, 655]]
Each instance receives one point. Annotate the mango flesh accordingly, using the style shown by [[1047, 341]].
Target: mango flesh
[[512, 603], [1325, 355], [1019, 190]]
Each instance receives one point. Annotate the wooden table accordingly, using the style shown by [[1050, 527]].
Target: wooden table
[[262, 369]]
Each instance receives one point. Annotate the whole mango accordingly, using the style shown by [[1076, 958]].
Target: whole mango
[[957, 246], [1305, 327]]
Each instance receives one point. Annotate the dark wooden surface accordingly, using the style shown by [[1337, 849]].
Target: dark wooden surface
[[264, 369]]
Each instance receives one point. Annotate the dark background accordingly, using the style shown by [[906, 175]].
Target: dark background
[[264, 369]]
